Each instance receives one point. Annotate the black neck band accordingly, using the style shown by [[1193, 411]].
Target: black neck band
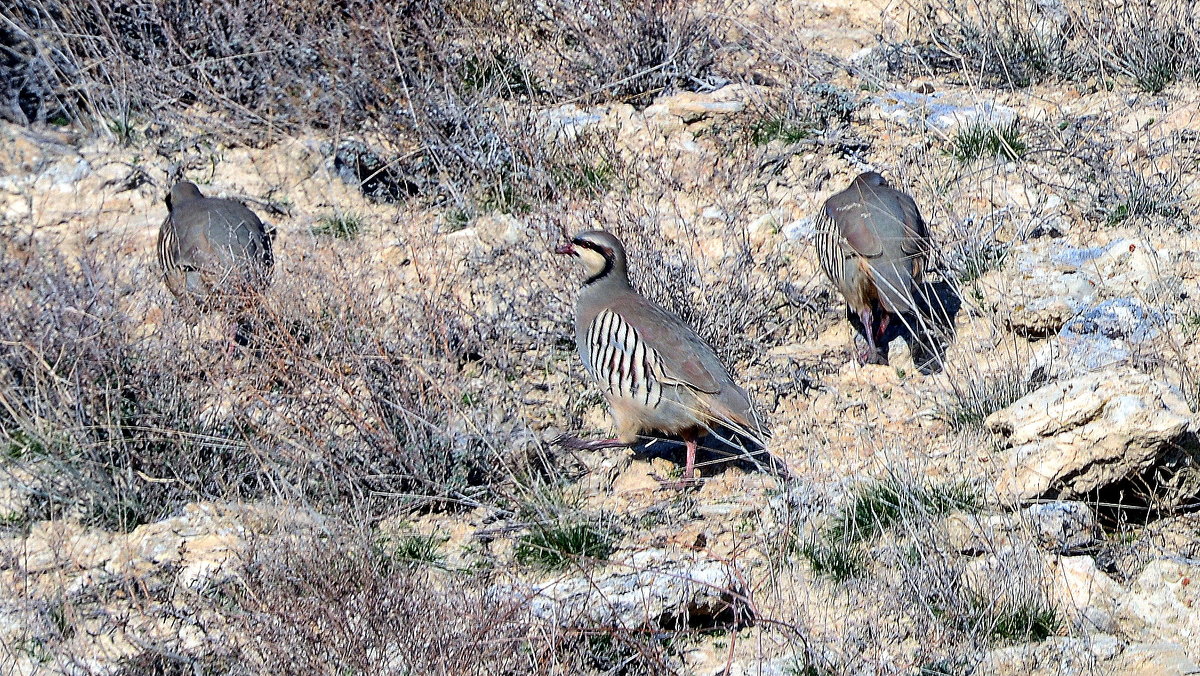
[[608, 260]]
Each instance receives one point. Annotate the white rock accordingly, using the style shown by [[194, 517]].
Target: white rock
[[567, 122], [1164, 603], [939, 112], [1075, 436], [65, 175], [1084, 593], [1062, 526], [653, 589], [1155, 659], [800, 230]]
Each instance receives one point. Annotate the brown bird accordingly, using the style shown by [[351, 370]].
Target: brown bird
[[656, 373], [873, 244], [215, 253]]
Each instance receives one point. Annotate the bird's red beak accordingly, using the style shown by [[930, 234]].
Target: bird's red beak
[[565, 248]]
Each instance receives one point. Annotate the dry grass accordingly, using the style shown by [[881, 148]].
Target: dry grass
[[1016, 42], [328, 404]]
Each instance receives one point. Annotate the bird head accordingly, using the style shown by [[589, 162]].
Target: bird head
[[181, 192], [601, 253], [871, 178]]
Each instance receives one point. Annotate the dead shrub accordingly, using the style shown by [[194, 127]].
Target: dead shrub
[[328, 606], [1015, 43]]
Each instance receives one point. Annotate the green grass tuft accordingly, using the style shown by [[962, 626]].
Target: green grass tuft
[[835, 560], [982, 396], [21, 444], [413, 549], [1024, 621], [499, 71], [1140, 205], [980, 260], [765, 131], [342, 226], [583, 178], [982, 141], [554, 546], [1157, 74], [878, 506]]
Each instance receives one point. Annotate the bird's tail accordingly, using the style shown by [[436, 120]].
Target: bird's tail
[[746, 431]]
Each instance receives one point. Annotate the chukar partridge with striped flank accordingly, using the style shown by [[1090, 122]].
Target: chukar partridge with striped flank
[[656, 373], [873, 244], [215, 253]]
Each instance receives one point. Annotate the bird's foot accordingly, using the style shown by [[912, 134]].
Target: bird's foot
[[680, 484], [869, 355], [574, 442]]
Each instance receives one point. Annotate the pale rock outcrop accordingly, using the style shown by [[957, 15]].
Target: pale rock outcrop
[[652, 589], [693, 106], [1061, 527], [1072, 437], [1084, 594], [1164, 604]]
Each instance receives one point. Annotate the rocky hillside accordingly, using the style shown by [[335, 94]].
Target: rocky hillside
[[371, 486]]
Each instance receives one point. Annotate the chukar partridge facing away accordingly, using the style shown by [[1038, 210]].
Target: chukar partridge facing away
[[873, 244], [215, 253], [656, 373]]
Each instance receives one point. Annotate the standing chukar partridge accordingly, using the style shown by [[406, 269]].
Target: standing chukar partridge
[[215, 253], [656, 373], [874, 246]]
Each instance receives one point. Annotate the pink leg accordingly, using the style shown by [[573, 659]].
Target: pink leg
[[883, 324], [232, 345], [689, 469], [873, 336], [868, 322]]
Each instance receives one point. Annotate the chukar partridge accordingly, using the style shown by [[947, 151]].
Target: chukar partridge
[[656, 373], [215, 253], [873, 244]]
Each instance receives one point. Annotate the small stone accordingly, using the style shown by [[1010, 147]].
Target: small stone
[[1062, 526]]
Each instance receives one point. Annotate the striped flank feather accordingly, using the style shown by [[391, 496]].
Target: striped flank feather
[[623, 364]]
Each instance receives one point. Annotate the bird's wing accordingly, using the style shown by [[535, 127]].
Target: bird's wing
[[686, 358], [917, 245], [855, 224]]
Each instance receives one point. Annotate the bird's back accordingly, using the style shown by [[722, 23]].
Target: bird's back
[[212, 246], [872, 243]]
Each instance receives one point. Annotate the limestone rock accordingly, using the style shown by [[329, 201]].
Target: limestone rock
[[567, 122], [1155, 659], [1084, 594], [975, 534], [940, 112], [1072, 437], [692, 106], [1164, 603], [653, 590], [1041, 316], [1101, 336], [1046, 294], [1062, 526]]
